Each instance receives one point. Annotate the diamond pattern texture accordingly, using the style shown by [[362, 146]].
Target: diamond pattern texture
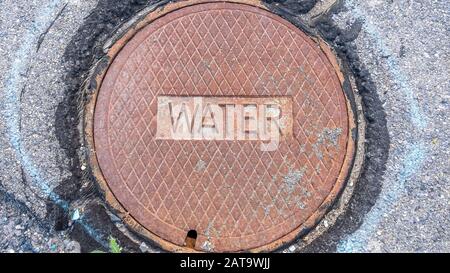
[[241, 197]]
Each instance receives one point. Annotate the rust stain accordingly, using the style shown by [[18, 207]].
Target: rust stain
[[285, 169]]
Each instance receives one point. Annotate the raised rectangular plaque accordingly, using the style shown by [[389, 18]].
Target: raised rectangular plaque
[[224, 118]]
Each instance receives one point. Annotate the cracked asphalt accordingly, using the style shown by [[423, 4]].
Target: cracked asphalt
[[400, 48]]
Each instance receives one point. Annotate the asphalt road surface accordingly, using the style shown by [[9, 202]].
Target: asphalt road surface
[[399, 50]]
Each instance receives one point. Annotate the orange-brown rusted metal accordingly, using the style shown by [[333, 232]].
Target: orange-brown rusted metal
[[240, 198]]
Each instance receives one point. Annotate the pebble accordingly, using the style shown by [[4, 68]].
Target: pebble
[[76, 215], [144, 248]]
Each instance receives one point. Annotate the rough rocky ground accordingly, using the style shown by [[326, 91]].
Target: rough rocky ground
[[399, 49]]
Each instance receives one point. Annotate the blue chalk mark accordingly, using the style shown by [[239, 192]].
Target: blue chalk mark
[[93, 233], [412, 160], [412, 155], [11, 101], [13, 86], [357, 241]]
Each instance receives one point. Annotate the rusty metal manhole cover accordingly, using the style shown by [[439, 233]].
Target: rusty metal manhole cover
[[221, 122]]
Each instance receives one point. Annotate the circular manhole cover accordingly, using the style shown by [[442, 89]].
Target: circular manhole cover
[[221, 127]]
